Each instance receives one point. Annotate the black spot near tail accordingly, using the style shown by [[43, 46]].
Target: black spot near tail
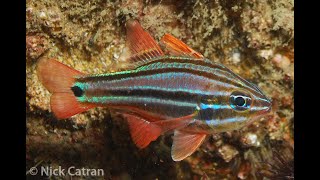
[[77, 91]]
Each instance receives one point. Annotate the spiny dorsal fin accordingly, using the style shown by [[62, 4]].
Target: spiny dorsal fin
[[178, 48], [184, 144], [140, 43]]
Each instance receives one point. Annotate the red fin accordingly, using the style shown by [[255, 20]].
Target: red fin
[[65, 105], [55, 76], [142, 132], [178, 48], [142, 46], [58, 79], [184, 144]]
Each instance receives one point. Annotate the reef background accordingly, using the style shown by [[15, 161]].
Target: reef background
[[253, 38]]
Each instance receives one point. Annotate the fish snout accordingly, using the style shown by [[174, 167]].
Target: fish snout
[[267, 104], [263, 105]]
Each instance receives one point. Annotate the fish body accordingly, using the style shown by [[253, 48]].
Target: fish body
[[170, 87], [179, 91]]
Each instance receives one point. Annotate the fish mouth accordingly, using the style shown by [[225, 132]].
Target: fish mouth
[[267, 104], [268, 109]]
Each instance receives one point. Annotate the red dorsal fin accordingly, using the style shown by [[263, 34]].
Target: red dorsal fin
[[178, 48], [142, 46], [58, 79], [184, 144]]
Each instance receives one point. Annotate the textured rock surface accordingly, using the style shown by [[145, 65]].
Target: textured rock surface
[[253, 38]]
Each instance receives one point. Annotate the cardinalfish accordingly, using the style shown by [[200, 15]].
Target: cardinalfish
[[170, 87]]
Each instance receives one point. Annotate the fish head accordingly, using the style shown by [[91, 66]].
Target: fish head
[[236, 106], [248, 104]]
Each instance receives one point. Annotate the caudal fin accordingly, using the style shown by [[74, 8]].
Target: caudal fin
[[59, 79]]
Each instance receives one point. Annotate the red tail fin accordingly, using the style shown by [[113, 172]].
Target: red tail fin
[[55, 76], [58, 79], [65, 105]]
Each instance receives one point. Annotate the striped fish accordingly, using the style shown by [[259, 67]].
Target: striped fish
[[172, 88]]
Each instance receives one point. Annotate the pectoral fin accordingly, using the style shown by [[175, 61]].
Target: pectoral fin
[[184, 144]]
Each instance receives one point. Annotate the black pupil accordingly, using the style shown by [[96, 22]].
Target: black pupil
[[77, 91], [240, 101]]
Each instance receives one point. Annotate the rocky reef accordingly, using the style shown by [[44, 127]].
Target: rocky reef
[[253, 38]]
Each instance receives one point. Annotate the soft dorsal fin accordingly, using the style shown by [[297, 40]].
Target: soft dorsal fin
[[140, 43], [184, 144], [178, 48]]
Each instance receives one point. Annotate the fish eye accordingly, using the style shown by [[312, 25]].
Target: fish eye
[[240, 101]]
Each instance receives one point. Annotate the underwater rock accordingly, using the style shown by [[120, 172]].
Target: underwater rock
[[252, 38], [227, 152], [250, 139], [36, 45]]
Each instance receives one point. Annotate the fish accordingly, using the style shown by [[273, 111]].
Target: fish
[[168, 87]]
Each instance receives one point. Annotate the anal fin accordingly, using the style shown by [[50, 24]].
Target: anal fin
[[143, 131], [184, 144]]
